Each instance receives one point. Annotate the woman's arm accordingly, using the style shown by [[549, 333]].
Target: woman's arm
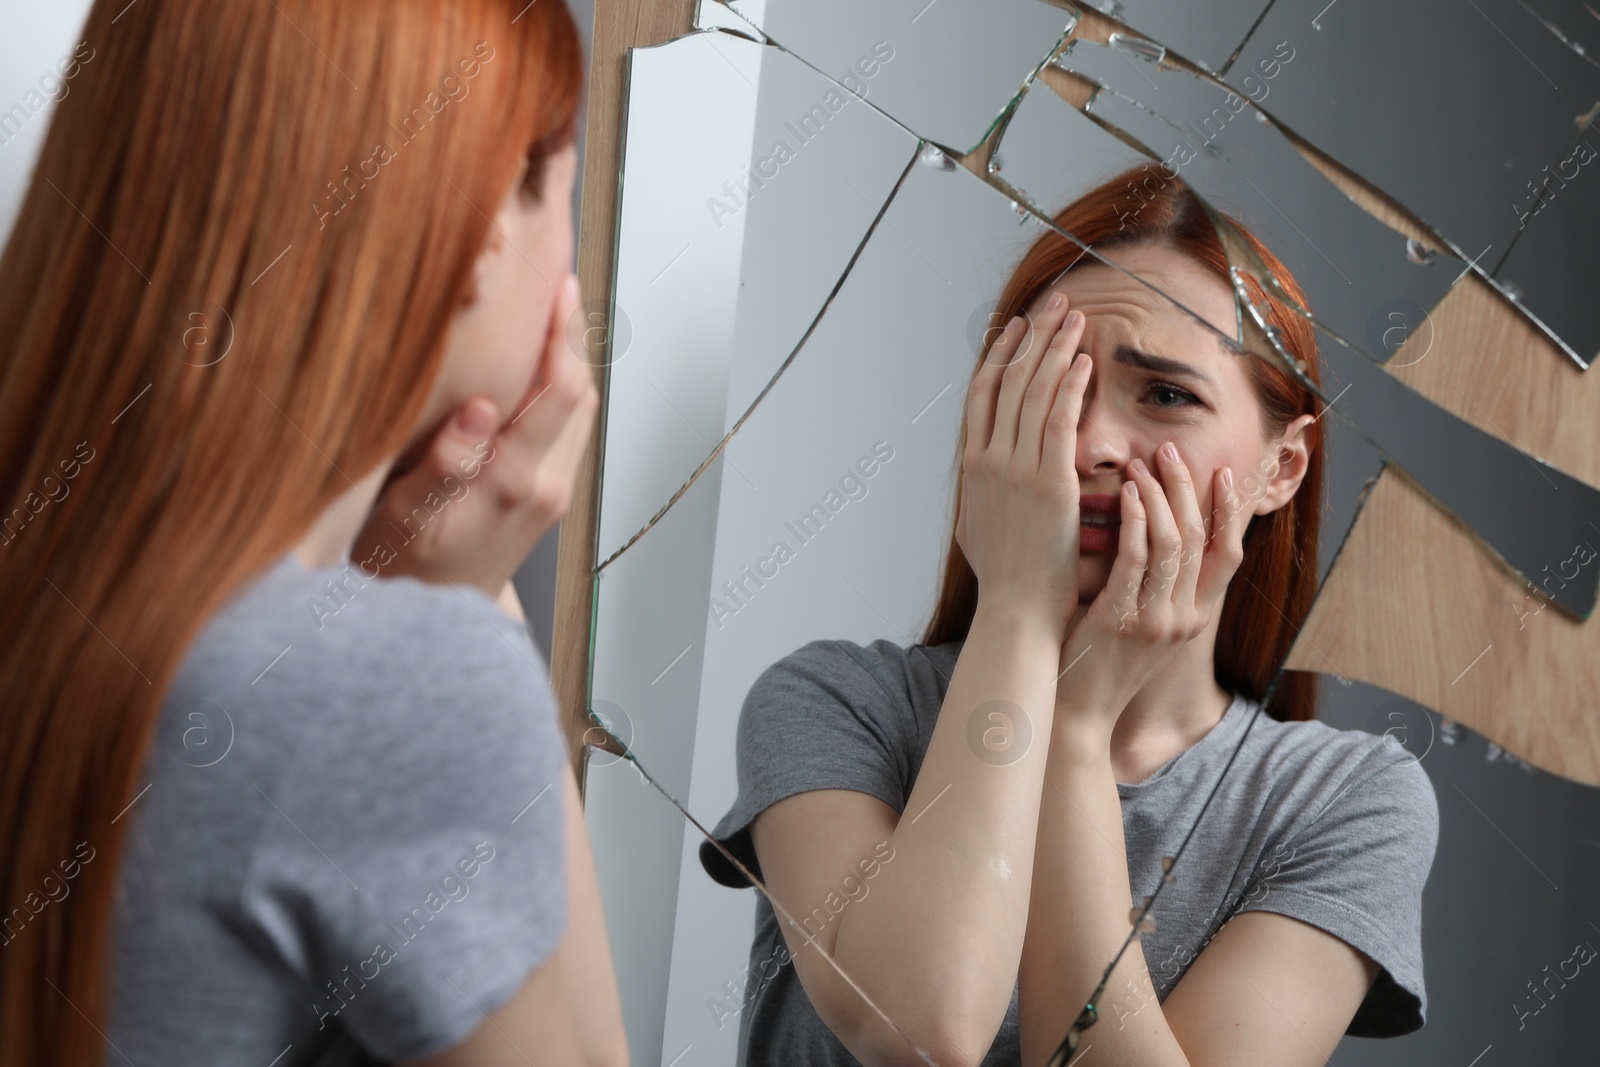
[[1266, 991], [567, 1010], [935, 940], [1165, 589]]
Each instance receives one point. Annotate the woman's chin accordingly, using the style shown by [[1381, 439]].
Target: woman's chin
[[1094, 569]]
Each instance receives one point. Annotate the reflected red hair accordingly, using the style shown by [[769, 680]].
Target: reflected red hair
[[1271, 593]]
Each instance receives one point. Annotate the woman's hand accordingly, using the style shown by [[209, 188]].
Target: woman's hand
[[1018, 520], [1165, 585], [480, 498]]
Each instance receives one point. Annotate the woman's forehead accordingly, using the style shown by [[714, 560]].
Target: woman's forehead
[[1107, 294]]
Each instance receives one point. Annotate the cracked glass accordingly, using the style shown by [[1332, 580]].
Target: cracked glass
[[824, 353]]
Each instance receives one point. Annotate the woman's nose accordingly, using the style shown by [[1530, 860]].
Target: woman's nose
[[1102, 444]]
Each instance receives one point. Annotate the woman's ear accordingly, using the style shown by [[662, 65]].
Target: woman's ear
[[1285, 467], [485, 265]]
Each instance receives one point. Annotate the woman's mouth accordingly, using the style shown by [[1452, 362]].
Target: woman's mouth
[[1099, 519]]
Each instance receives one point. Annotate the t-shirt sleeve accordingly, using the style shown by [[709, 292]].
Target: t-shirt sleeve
[[1357, 870], [409, 868], [827, 716]]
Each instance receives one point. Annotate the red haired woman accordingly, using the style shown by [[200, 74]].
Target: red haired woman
[[282, 776], [964, 825]]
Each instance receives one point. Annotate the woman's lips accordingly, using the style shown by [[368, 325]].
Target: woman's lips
[[1101, 535]]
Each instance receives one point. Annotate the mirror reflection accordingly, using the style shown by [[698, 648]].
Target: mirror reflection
[[821, 721]]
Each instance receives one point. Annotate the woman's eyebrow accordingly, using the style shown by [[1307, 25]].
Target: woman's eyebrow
[[1133, 357]]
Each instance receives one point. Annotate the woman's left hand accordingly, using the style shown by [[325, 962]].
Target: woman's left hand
[[1166, 584]]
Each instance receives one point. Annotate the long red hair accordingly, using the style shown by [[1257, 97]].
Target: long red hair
[[1271, 593], [202, 354]]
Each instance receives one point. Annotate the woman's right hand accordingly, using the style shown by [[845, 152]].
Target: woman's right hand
[[505, 485], [1018, 519]]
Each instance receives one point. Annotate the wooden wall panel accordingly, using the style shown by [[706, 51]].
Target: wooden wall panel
[[1415, 606], [618, 26]]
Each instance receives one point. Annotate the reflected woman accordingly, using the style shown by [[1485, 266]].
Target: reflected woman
[[963, 825], [283, 781]]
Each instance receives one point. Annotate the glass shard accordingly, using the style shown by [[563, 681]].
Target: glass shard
[[1379, 87], [1207, 34], [1357, 272], [946, 70], [724, 253]]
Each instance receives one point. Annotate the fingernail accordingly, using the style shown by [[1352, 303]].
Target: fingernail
[[1227, 477], [1138, 465], [1055, 301], [570, 289], [474, 421], [1169, 450], [1133, 489], [1074, 317]]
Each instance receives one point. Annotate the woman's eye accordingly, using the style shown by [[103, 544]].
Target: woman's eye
[[1169, 396]]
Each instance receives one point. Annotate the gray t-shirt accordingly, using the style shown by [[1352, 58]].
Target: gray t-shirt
[[351, 845], [1334, 827]]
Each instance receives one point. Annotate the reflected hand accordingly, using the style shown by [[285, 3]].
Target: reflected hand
[[1018, 520], [1166, 584]]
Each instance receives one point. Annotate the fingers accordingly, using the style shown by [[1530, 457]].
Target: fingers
[[1039, 400], [1226, 549], [985, 386], [1059, 450], [1186, 514], [565, 343], [1166, 544], [1127, 571], [1017, 379], [558, 388]]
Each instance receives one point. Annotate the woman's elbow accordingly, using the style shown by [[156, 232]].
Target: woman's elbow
[[942, 1038], [613, 1053]]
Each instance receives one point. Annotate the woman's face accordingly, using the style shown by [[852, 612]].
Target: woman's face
[[497, 338], [1160, 376]]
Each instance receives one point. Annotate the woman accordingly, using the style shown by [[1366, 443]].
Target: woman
[[962, 826], [277, 749]]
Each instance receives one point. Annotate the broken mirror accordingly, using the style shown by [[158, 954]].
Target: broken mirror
[[773, 579]]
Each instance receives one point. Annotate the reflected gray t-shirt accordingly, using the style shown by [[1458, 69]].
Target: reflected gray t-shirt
[[351, 844], [1333, 827]]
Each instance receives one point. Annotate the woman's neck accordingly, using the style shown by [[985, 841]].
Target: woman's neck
[[1174, 709], [330, 536]]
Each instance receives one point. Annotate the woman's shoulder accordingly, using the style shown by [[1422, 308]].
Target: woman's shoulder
[[879, 656], [352, 660], [878, 676], [1319, 740], [1318, 768], [360, 626]]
